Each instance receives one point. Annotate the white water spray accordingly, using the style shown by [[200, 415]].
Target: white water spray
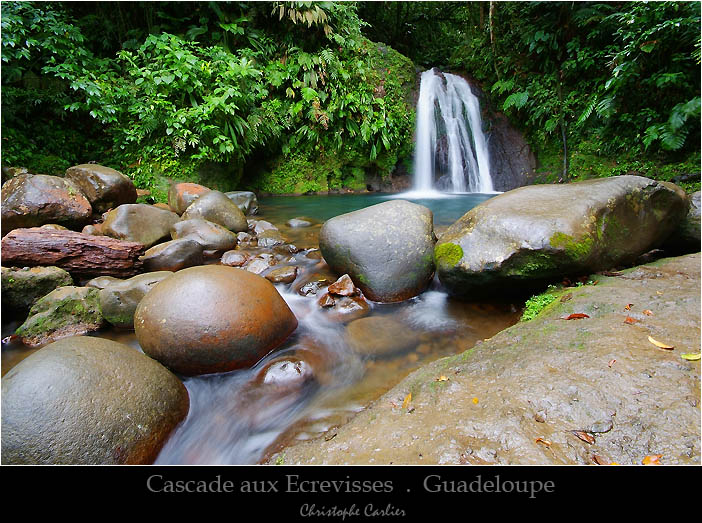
[[450, 138]]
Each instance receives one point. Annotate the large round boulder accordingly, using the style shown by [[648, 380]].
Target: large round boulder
[[386, 249], [211, 319], [88, 401], [31, 200], [138, 222], [119, 300], [215, 207], [104, 187], [533, 234]]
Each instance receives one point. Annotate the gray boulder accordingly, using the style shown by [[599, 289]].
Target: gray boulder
[[686, 237], [210, 236], [173, 255], [245, 200], [88, 401], [138, 222], [104, 187], [386, 249], [31, 200], [119, 299], [533, 234], [215, 207]]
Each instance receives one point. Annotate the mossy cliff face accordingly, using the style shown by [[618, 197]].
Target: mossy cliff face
[[533, 234]]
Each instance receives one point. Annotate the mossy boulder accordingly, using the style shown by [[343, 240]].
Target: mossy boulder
[[139, 222], [104, 187], [31, 200], [21, 288], [386, 249], [212, 319], [88, 401], [119, 299], [525, 237], [65, 311]]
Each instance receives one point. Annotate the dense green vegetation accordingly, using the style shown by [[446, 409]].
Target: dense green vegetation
[[291, 97]]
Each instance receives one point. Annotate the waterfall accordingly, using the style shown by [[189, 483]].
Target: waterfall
[[450, 140]]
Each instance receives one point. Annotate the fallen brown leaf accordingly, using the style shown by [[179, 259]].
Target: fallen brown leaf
[[584, 436], [654, 459], [566, 297], [543, 441], [628, 306], [630, 320], [660, 345], [599, 460], [576, 316], [611, 362], [648, 312]]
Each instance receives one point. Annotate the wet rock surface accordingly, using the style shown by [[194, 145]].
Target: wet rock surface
[[140, 223], [386, 249], [245, 200], [31, 200], [108, 404], [215, 207], [119, 299], [686, 237], [104, 187], [378, 336], [532, 234], [549, 379], [210, 236], [181, 195], [212, 318], [173, 255], [22, 287]]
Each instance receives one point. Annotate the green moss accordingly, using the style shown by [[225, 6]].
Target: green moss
[[448, 254], [531, 264], [574, 249], [50, 314], [537, 304]]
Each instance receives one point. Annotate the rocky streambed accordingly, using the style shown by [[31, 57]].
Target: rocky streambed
[[241, 337]]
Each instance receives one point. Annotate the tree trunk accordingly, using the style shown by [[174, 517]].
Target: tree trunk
[[79, 254]]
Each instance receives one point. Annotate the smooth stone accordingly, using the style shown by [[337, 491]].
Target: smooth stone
[[234, 259], [119, 300], [258, 227], [347, 308], [211, 319], [215, 207], [104, 187], [210, 236], [343, 287], [245, 200], [88, 401], [139, 222], [287, 372], [173, 255], [102, 281], [270, 238], [526, 237], [379, 336], [21, 288], [54, 227], [32, 200], [181, 195], [93, 230], [311, 284], [386, 249], [283, 274], [258, 266], [65, 311]]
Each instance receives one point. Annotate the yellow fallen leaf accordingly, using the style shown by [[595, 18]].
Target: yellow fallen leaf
[[408, 398], [614, 463], [648, 312], [660, 345], [543, 441], [652, 460], [442, 378], [475, 400], [691, 356]]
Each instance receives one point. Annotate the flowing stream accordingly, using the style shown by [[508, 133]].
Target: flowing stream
[[451, 152], [242, 416]]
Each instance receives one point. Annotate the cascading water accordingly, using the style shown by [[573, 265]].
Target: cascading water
[[450, 140]]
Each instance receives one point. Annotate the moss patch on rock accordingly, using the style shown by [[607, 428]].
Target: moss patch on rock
[[448, 254]]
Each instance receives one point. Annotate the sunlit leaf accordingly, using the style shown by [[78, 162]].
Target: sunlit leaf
[[660, 345], [406, 403], [630, 320], [691, 356], [544, 442], [653, 459], [610, 363], [584, 436]]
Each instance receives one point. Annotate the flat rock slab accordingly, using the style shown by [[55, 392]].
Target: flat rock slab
[[545, 378]]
